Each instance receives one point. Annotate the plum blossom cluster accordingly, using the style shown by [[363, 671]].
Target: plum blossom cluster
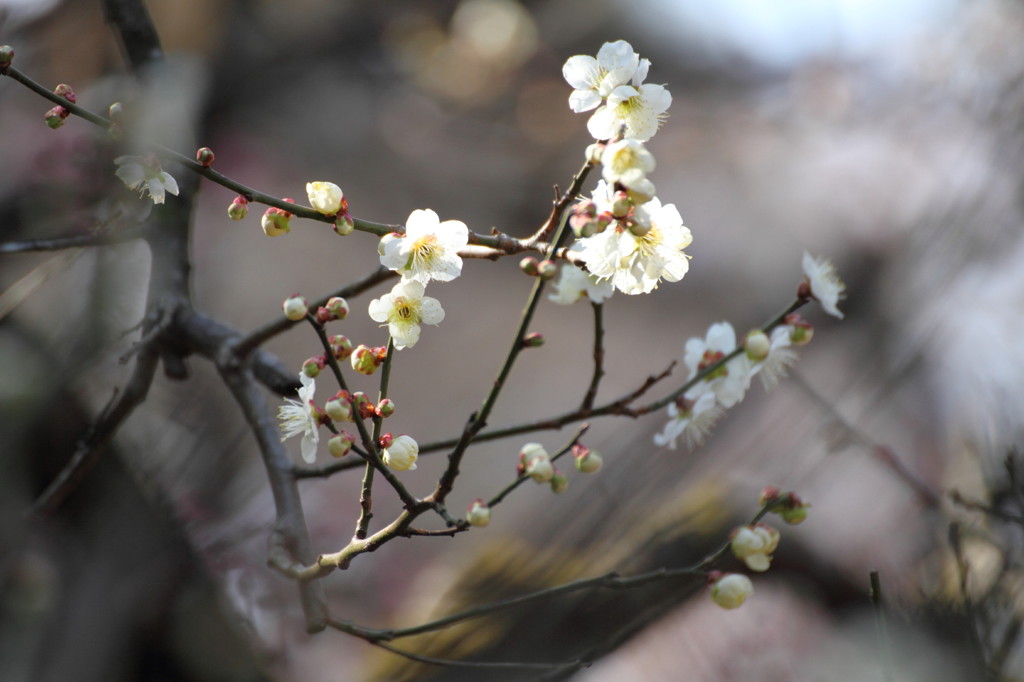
[[721, 371]]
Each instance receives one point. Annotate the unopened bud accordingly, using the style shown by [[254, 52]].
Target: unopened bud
[[757, 344], [559, 482], [56, 116], [594, 152], [402, 454], [794, 515], [535, 462], [533, 340], [385, 408], [547, 269], [587, 461], [364, 408], [338, 307], [204, 155], [529, 266], [115, 112], [324, 197], [769, 495], [385, 440], [339, 408], [6, 56], [621, 205], [340, 445], [364, 360], [311, 367], [295, 308], [730, 590], [802, 332], [276, 222], [340, 346], [344, 225], [239, 208], [478, 513], [64, 90]]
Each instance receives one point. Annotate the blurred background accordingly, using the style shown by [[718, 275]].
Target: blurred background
[[885, 136]]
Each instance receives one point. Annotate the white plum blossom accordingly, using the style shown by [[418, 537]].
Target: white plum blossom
[[731, 590], [574, 284], [692, 418], [143, 173], [402, 454], [637, 264], [594, 79], [300, 417], [428, 250], [404, 309], [730, 382], [754, 545], [824, 282], [635, 111], [628, 162], [325, 197]]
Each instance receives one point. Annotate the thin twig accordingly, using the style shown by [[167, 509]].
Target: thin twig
[[595, 381]]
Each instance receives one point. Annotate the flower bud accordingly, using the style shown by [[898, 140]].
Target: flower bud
[[276, 222], [324, 197], [6, 56], [757, 344], [594, 152], [311, 367], [55, 117], [239, 208], [621, 205], [769, 495], [547, 269], [795, 515], [402, 454], [478, 513], [533, 340], [730, 590], [338, 307], [115, 112], [587, 461], [340, 445], [364, 408], [64, 90], [802, 332], [754, 545], [535, 462], [529, 266], [205, 157], [340, 346], [559, 482], [323, 315], [295, 308], [385, 440], [385, 408], [364, 360], [339, 408], [344, 225]]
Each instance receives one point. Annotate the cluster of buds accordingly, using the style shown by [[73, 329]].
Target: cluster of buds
[[585, 220], [754, 545], [535, 462], [788, 506], [478, 513], [366, 360], [336, 308], [56, 116], [400, 453], [277, 221]]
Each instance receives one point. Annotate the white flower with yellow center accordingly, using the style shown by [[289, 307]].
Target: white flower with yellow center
[[634, 111], [594, 79], [429, 250], [404, 310], [690, 418], [143, 173], [729, 383], [826, 287], [299, 417], [574, 284]]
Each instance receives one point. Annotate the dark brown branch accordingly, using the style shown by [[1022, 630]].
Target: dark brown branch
[[72, 241]]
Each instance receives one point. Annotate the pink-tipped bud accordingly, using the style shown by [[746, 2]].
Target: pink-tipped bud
[[205, 157], [323, 315], [529, 266], [547, 269], [239, 208], [385, 408], [802, 332], [769, 495], [338, 307], [535, 462], [276, 222], [381, 352], [340, 346], [56, 116], [311, 367], [559, 482], [364, 360], [6, 56], [478, 513], [340, 445], [64, 90], [344, 225], [757, 344], [587, 461], [339, 408], [385, 440], [295, 307], [364, 408], [533, 340]]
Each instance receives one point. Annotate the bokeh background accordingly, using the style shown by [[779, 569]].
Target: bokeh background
[[885, 136]]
